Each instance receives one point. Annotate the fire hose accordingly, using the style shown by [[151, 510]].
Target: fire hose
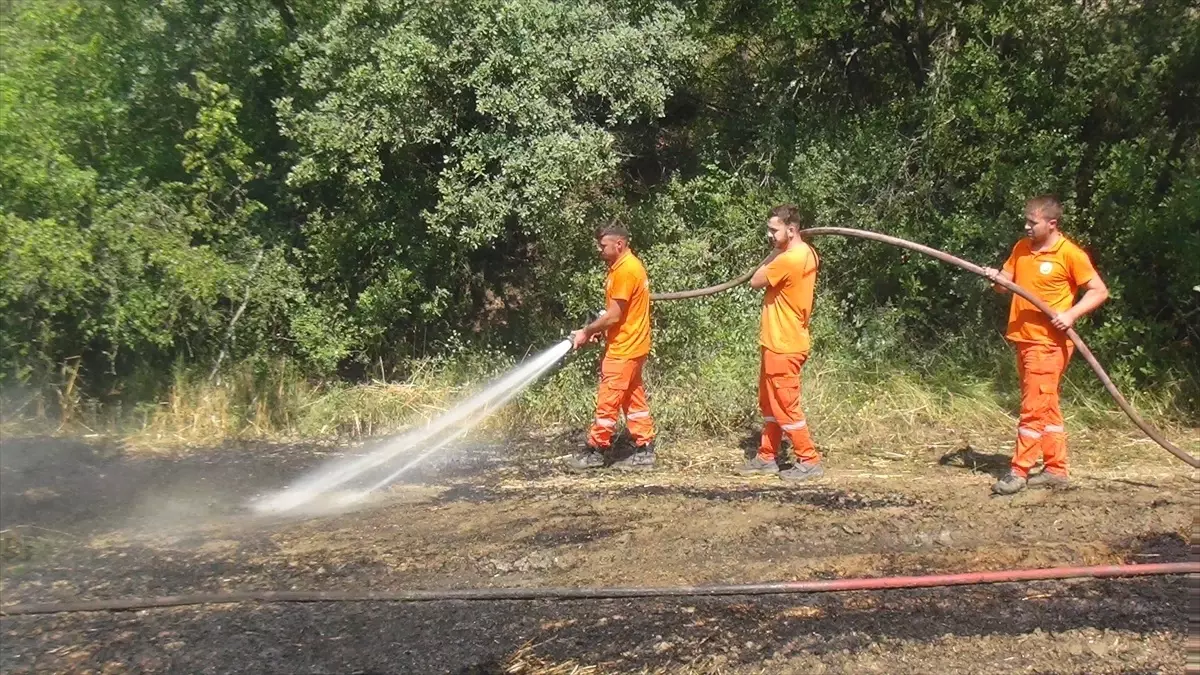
[[607, 593], [1086, 353]]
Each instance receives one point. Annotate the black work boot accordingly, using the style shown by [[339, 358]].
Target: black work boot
[[758, 466], [585, 460], [1048, 479], [642, 459], [1011, 484]]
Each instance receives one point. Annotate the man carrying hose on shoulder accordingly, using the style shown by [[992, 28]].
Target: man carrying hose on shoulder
[[626, 325], [1052, 268], [789, 276]]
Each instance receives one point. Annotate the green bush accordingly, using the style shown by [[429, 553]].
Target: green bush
[[361, 187]]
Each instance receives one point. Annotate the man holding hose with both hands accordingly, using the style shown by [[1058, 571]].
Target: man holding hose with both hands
[[1053, 268], [625, 323]]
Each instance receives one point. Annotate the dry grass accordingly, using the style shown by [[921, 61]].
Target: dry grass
[[203, 415], [525, 662], [290, 407], [883, 413]]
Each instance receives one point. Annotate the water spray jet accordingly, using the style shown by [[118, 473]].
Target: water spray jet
[[425, 440]]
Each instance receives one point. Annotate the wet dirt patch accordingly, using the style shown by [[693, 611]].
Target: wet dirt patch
[[1159, 547], [819, 497], [78, 488], [971, 459]]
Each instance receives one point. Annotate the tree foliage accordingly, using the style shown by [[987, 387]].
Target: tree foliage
[[356, 181]]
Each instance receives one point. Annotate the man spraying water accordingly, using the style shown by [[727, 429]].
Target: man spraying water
[[626, 325]]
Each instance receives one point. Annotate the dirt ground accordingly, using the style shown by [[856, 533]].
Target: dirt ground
[[87, 521]]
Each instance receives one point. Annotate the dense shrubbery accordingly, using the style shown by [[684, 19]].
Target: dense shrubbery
[[356, 185]]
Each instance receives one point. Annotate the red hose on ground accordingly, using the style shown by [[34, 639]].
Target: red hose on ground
[[567, 593]]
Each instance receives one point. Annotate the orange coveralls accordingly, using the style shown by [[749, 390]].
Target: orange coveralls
[[1043, 351], [627, 344], [785, 344]]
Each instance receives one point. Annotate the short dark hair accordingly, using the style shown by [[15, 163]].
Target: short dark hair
[[1047, 205], [791, 214], [613, 229]]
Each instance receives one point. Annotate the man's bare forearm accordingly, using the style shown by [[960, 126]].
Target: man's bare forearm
[[608, 320], [1093, 298], [759, 278]]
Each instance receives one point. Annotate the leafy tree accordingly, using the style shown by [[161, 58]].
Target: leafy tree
[[448, 151], [186, 182]]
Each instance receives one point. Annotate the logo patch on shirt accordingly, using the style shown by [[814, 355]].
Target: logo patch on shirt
[[1046, 267]]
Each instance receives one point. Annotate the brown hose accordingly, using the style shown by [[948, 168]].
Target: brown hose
[[973, 268], [701, 292], [601, 593]]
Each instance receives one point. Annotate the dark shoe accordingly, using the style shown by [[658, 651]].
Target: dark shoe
[[590, 458], [802, 472], [1011, 484], [757, 466], [642, 459], [1048, 479]]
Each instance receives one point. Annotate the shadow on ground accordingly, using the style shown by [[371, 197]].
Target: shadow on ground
[[969, 458]]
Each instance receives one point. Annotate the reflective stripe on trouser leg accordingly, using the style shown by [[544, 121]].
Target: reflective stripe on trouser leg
[[614, 384], [1039, 434], [772, 436], [637, 408], [1054, 449], [781, 376], [1054, 437]]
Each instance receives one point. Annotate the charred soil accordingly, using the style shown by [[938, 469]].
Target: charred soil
[[87, 522]]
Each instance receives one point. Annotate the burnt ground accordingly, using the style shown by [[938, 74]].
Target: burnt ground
[[90, 521]]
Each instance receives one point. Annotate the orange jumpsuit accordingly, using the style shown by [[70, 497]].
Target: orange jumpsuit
[[627, 344], [784, 342], [1043, 351]]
